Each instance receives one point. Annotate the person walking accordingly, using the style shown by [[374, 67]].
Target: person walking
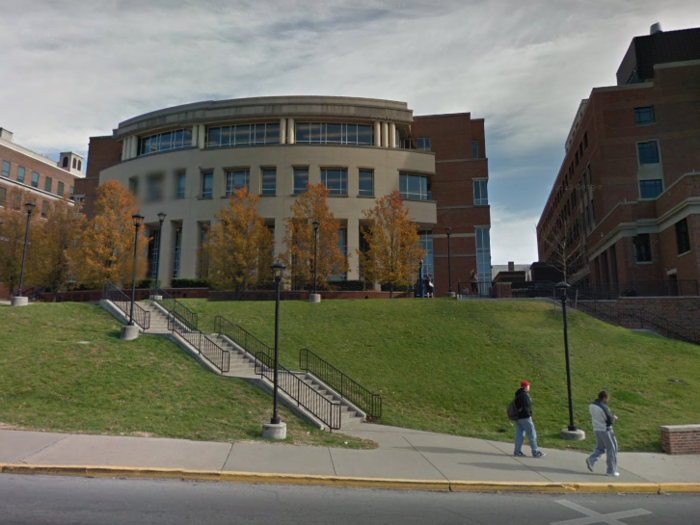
[[524, 425], [606, 443], [473, 279], [429, 286]]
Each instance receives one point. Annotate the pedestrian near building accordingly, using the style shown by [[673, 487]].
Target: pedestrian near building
[[525, 425], [429, 286], [606, 443], [474, 280]]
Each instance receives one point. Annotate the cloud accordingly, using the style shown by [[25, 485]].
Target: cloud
[[73, 69], [515, 231]]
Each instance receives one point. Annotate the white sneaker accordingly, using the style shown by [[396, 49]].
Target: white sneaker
[[614, 475]]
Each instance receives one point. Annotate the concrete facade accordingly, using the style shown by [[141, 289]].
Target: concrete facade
[[385, 145], [629, 185]]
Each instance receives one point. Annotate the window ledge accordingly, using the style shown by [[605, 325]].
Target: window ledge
[[684, 253], [204, 198], [268, 195], [419, 200], [644, 262], [365, 196], [338, 196]]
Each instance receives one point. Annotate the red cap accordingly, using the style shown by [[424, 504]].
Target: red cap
[[523, 384]]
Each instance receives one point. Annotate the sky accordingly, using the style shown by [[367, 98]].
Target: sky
[[75, 69]]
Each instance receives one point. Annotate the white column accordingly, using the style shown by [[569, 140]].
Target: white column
[[290, 131], [353, 240], [377, 134], [392, 135], [124, 157], [283, 131], [165, 255], [202, 140], [195, 135], [385, 134], [134, 147]]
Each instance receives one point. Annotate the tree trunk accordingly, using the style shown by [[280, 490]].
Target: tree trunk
[[391, 290]]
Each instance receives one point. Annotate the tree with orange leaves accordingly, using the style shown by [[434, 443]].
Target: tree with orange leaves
[[106, 247], [299, 238], [12, 230], [238, 250], [51, 264], [394, 249]]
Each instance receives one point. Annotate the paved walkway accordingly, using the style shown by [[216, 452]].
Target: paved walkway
[[402, 455]]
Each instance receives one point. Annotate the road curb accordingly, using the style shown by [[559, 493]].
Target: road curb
[[348, 482]]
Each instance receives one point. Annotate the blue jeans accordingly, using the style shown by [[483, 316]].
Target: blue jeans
[[605, 443], [522, 427]]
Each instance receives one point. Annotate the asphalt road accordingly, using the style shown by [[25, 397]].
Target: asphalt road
[[38, 500]]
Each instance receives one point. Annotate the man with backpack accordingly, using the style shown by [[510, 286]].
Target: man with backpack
[[521, 408]]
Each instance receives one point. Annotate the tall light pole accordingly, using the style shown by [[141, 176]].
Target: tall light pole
[[138, 221], [276, 429], [448, 232], [315, 297], [571, 433], [20, 300]]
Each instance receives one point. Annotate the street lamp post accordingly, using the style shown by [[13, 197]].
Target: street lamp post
[[19, 299], [571, 433], [275, 429], [448, 232], [131, 330], [315, 297]]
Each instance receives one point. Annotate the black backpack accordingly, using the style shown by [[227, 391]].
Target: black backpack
[[513, 411]]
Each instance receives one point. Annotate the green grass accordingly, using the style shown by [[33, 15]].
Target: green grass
[[65, 369], [453, 367]]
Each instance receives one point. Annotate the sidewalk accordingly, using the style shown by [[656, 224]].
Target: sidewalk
[[405, 459]]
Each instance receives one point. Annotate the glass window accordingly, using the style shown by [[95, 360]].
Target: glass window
[[241, 135], [302, 132], [413, 187], [180, 181], [481, 194], [176, 139], [301, 179], [20, 174], [483, 259], [213, 137], [154, 186], [134, 186], [269, 181], [48, 184], [272, 133], [61, 189], [475, 149], [426, 242], [236, 179], [650, 189], [44, 208], [207, 190], [5, 168], [336, 180], [648, 152], [333, 133], [343, 247], [423, 143], [366, 183], [178, 246], [35, 179], [642, 248], [682, 237], [350, 133], [364, 135], [643, 116]]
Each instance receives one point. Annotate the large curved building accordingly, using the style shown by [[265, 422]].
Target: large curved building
[[187, 159]]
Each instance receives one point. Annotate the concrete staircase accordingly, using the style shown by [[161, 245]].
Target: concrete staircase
[[242, 366]]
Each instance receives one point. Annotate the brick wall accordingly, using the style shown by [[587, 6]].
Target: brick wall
[[680, 439], [102, 153], [681, 310]]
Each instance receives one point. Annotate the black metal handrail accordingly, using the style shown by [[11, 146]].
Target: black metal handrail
[[301, 392], [613, 314], [325, 410], [216, 355], [347, 387], [178, 310], [112, 292], [250, 344]]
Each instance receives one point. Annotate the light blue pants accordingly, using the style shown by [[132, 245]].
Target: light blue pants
[[605, 443], [522, 427]]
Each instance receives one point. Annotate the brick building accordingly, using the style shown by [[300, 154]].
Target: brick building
[[625, 206], [183, 160], [44, 179]]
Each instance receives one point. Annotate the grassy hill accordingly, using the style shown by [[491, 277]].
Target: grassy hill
[[449, 366], [65, 369]]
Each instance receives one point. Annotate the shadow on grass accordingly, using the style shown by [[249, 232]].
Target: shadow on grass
[[114, 334]]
